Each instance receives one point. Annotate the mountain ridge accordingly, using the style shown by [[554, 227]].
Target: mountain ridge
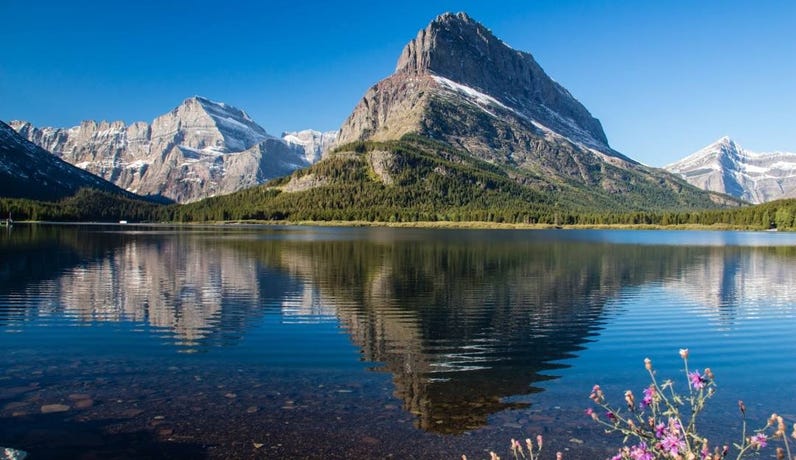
[[725, 167], [200, 148], [23, 163]]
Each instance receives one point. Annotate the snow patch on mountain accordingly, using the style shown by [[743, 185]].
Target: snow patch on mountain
[[573, 133], [472, 94]]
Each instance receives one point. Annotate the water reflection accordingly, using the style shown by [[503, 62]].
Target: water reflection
[[733, 283], [467, 327], [184, 284], [467, 323]]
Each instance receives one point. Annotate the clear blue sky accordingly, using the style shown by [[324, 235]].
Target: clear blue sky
[[664, 77]]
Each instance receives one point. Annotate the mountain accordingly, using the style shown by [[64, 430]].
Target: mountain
[[725, 167], [28, 171], [458, 83], [314, 143], [457, 61], [201, 148]]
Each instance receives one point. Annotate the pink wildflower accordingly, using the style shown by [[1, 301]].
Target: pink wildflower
[[757, 441], [649, 393], [672, 444], [697, 381], [640, 452]]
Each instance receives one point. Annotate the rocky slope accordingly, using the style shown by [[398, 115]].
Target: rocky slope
[[28, 171], [458, 83], [725, 167], [200, 149]]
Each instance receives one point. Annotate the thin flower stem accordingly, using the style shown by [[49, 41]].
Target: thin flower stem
[[743, 447]]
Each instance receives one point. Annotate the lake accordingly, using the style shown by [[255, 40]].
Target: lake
[[301, 342]]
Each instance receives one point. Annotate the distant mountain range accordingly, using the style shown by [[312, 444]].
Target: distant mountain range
[[199, 149], [725, 167], [28, 171], [466, 126]]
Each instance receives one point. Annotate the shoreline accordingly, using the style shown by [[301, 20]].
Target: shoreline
[[442, 225]]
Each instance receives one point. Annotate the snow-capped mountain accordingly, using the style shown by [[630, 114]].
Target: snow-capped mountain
[[726, 167], [199, 149], [28, 171], [314, 143]]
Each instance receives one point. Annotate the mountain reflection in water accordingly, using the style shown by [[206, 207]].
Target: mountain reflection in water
[[468, 324]]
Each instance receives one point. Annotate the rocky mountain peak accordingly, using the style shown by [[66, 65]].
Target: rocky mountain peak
[[455, 48], [442, 45], [202, 124], [722, 150], [725, 144]]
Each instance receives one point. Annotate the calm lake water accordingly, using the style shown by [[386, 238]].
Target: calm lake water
[[288, 342]]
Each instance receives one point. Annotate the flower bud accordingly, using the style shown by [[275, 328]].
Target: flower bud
[[780, 427], [597, 395], [742, 407], [684, 353], [630, 400], [648, 364]]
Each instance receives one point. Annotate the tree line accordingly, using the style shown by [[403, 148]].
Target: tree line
[[419, 180]]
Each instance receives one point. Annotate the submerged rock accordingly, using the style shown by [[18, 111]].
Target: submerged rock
[[54, 408], [12, 454]]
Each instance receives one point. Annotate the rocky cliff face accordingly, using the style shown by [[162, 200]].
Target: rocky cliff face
[[725, 167], [456, 47], [459, 83], [200, 149], [28, 171]]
